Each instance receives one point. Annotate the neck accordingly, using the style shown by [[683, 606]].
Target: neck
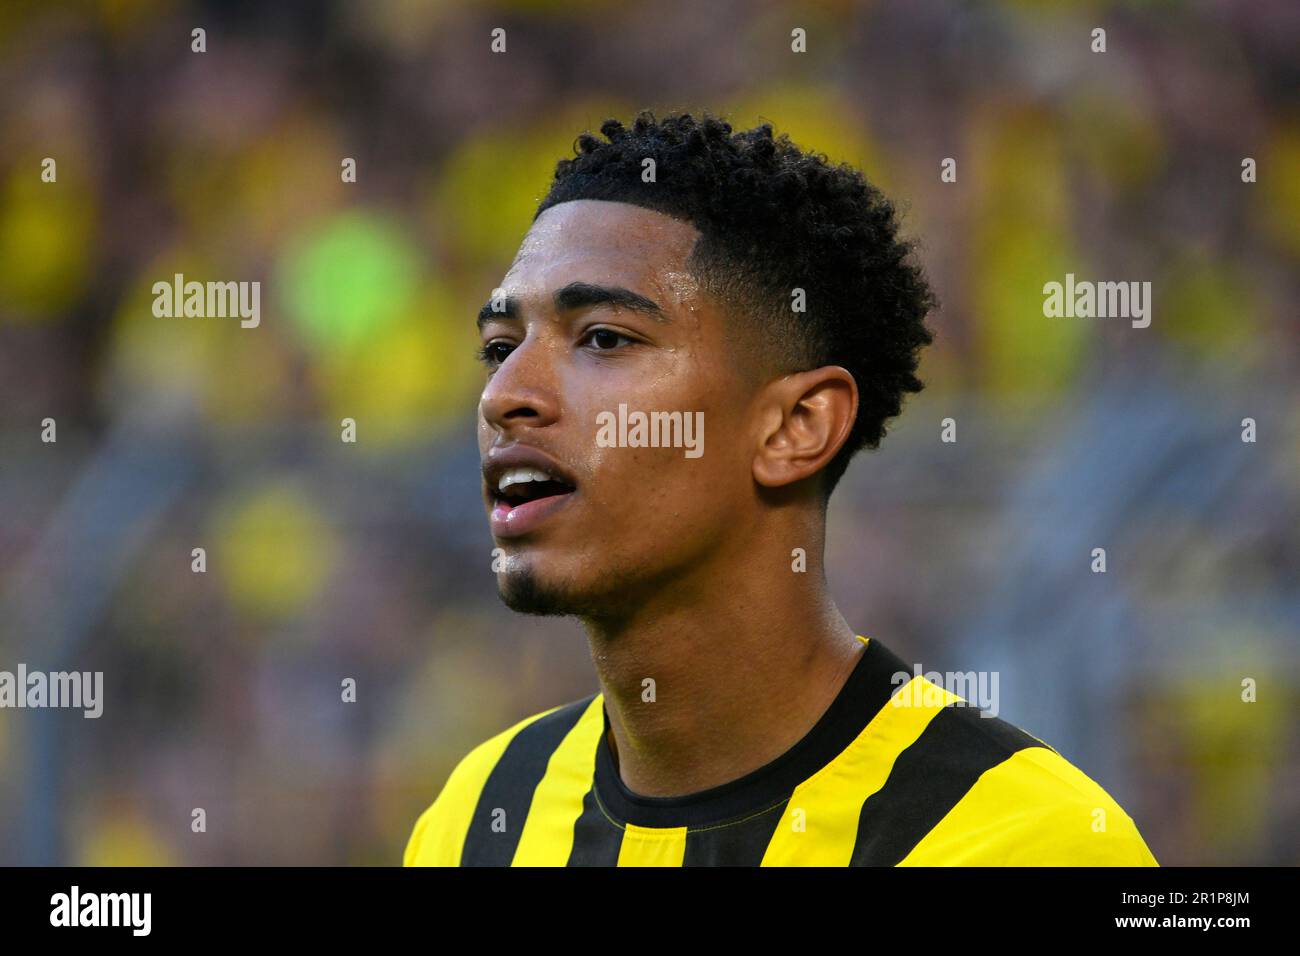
[[742, 669]]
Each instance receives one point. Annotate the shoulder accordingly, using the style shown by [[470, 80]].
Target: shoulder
[[1031, 807], [439, 832]]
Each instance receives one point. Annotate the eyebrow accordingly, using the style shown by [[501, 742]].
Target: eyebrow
[[577, 295]]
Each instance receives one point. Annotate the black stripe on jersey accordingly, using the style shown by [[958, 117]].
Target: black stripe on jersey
[[929, 778], [511, 784], [736, 844], [596, 840]]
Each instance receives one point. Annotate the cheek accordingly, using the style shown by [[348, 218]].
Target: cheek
[[659, 495], [661, 487], [647, 504]]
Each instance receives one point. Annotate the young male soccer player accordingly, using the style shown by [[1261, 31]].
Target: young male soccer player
[[750, 287]]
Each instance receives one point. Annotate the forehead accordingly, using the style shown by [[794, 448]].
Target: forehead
[[592, 240]]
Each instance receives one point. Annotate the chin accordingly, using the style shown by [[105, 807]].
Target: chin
[[525, 592]]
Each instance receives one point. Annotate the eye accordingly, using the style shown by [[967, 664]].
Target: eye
[[606, 340], [494, 353]]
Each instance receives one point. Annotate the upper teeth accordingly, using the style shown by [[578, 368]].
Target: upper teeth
[[513, 476]]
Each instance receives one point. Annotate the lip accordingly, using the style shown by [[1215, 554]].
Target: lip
[[508, 522], [512, 522]]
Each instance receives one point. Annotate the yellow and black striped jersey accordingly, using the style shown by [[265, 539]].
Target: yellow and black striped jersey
[[890, 775]]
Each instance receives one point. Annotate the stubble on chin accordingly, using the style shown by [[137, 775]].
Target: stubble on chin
[[524, 591]]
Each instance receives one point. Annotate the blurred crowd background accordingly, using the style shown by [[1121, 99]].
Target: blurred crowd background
[[372, 561]]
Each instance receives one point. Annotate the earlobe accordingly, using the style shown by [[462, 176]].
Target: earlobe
[[811, 416]]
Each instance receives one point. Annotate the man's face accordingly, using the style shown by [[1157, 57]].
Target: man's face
[[600, 311]]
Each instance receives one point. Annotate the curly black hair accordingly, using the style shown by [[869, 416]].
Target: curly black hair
[[774, 218]]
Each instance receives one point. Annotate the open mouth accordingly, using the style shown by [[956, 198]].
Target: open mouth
[[518, 486], [523, 498]]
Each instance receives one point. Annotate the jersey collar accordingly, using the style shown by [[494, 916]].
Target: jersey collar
[[866, 691]]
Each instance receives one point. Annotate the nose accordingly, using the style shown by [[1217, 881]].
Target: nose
[[522, 392]]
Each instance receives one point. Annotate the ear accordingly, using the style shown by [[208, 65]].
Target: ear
[[805, 418]]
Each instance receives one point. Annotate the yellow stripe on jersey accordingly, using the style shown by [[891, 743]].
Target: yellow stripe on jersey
[[820, 822], [645, 846], [1018, 814], [439, 833], [547, 839]]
